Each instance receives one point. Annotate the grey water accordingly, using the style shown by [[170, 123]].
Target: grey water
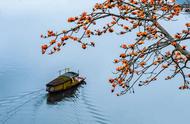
[[24, 71]]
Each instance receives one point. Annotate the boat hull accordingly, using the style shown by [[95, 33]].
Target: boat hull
[[65, 86]]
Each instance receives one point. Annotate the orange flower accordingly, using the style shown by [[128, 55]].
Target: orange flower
[[114, 85], [84, 46], [111, 30], [113, 22], [184, 47], [177, 36], [141, 42], [124, 62], [165, 66], [71, 19], [126, 27], [123, 55], [187, 24], [111, 80], [164, 8], [84, 14], [64, 38], [139, 34], [133, 1], [73, 38], [50, 33], [132, 46], [154, 17], [144, 33], [155, 36], [135, 25], [133, 53], [44, 47], [88, 32], [152, 2], [124, 46], [116, 60], [134, 13], [142, 63], [119, 68], [174, 43], [52, 42], [144, 1], [58, 44]]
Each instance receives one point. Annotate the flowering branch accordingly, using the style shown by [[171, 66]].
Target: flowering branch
[[153, 51]]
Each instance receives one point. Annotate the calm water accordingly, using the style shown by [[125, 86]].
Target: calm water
[[24, 73]]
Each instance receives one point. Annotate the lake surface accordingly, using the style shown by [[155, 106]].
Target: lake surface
[[24, 73]]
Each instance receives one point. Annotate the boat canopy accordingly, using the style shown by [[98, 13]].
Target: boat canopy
[[63, 78], [71, 74]]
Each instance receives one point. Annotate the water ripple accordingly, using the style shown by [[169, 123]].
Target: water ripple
[[14, 104], [94, 110]]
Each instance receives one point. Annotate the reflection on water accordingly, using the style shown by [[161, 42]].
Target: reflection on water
[[68, 95]]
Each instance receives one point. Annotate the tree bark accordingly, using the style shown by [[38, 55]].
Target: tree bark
[[178, 46]]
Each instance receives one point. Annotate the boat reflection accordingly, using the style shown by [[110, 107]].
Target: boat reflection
[[67, 95]]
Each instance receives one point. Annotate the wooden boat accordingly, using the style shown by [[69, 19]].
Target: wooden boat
[[64, 82], [66, 95]]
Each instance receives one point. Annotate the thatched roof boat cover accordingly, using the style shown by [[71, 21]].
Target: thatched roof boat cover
[[63, 78]]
